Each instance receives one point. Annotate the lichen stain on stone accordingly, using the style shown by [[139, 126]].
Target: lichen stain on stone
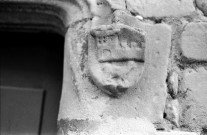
[[74, 125]]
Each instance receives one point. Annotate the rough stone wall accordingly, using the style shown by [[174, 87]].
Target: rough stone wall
[[172, 89]]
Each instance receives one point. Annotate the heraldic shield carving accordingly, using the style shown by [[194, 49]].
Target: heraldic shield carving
[[116, 57]]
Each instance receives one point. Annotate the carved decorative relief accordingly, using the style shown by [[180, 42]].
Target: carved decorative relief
[[116, 57]]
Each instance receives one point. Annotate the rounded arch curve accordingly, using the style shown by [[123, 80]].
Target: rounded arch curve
[[32, 16]]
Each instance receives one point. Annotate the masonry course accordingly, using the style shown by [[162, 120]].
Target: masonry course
[[165, 92]]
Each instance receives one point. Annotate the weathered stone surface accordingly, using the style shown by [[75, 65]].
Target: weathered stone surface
[[100, 8], [67, 126], [194, 107], [194, 41], [161, 8], [82, 100], [116, 56], [172, 111], [120, 16], [153, 76], [153, 80], [114, 4], [125, 126], [173, 83], [101, 11], [176, 133], [202, 5], [117, 4]]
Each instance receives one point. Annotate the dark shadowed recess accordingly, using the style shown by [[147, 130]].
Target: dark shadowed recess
[[31, 81], [31, 67]]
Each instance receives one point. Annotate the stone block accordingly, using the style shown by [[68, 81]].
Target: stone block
[[172, 111], [143, 83], [194, 41], [194, 107], [100, 8], [125, 126], [173, 84], [120, 16], [118, 51], [202, 5], [153, 81], [85, 101], [161, 8], [117, 4]]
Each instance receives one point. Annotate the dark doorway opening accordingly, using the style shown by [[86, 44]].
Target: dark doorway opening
[[31, 82]]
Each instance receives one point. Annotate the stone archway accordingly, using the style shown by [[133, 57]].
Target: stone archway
[[32, 55], [31, 82]]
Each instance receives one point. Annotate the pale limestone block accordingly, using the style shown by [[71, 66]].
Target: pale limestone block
[[202, 5], [161, 8], [117, 4], [194, 41], [176, 133], [194, 107]]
